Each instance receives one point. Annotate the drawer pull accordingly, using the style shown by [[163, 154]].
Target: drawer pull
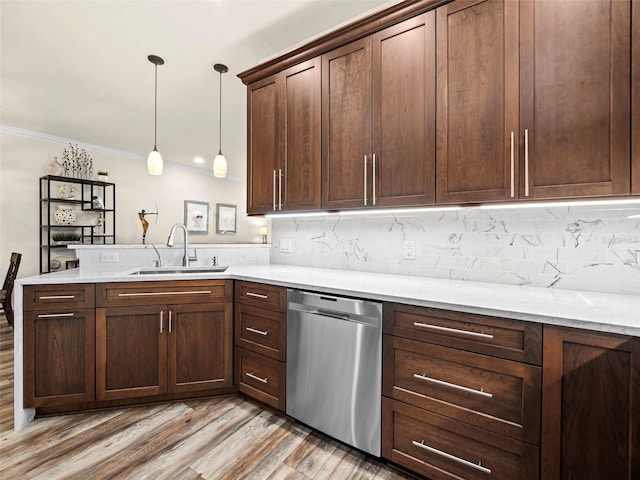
[[255, 330], [452, 330], [153, 294], [53, 315], [256, 295], [251, 375], [452, 457], [453, 385], [56, 297]]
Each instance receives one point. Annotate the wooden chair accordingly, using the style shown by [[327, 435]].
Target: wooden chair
[[7, 288]]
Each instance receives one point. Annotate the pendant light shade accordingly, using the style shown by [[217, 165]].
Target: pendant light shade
[[154, 162], [220, 163]]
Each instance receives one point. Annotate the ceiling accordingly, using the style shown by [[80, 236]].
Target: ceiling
[[78, 69]]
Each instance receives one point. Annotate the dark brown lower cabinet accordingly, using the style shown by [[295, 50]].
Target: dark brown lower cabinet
[[157, 349], [590, 405], [58, 357], [261, 378], [441, 448]]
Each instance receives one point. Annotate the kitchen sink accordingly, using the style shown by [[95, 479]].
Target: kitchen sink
[[178, 270]]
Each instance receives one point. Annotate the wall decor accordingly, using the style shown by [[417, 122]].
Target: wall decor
[[225, 218], [196, 216]]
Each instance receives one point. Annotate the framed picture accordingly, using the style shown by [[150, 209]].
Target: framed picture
[[225, 218], [196, 216]]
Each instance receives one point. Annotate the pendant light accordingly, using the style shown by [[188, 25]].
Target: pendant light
[[154, 162], [220, 163]]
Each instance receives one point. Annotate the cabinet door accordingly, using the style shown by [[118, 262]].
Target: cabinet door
[[346, 125], [590, 405], [58, 357], [635, 100], [575, 98], [403, 169], [477, 101], [263, 149], [300, 182], [200, 347], [131, 351]]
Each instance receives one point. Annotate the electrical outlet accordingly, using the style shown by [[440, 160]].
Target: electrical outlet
[[409, 250], [109, 257], [285, 245]]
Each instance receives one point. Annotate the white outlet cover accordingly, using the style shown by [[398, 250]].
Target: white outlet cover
[[285, 245], [409, 250], [108, 257]]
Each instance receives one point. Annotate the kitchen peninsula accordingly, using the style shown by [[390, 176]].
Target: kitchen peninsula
[[552, 311]]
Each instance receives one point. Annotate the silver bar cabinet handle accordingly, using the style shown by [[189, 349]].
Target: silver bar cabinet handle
[[373, 188], [452, 330], [169, 321], [251, 375], [280, 189], [256, 295], [161, 321], [512, 167], [452, 457], [54, 315], [526, 162], [56, 297], [365, 180], [153, 294], [274, 190], [453, 385], [255, 330]]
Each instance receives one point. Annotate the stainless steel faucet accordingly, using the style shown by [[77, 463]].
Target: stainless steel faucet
[[186, 259], [158, 262]]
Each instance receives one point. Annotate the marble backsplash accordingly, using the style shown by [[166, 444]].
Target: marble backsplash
[[595, 248]]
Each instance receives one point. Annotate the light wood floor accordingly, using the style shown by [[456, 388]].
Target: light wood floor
[[220, 438]]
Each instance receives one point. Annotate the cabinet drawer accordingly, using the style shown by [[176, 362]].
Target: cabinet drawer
[[496, 394], [261, 331], [161, 293], [441, 448], [261, 378], [500, 337], [57, 297], [260, 295]]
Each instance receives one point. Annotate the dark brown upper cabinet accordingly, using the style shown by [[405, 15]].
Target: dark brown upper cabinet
[[283, 114], [539, 113], [477, 123], [575, 101], [635, 100], [378, 123]]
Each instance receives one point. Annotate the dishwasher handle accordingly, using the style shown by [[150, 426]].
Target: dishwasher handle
[[361, 319]]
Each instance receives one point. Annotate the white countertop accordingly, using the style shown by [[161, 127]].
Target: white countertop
[[603, 312]]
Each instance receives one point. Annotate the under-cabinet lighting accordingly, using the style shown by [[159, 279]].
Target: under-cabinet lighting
[[589, 203], [304, 214], [393, 211]]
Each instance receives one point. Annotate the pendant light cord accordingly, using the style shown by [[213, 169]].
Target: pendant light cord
[[220, 120], [155, 116]]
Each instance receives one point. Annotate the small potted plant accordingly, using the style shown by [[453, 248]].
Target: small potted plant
[[103, 175]]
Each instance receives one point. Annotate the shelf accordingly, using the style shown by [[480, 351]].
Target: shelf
[[83, 193], [56, 178]]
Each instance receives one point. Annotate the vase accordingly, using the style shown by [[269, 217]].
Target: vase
[[64, 215], [54, 167]]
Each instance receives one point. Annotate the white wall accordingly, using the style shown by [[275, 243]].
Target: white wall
[[23, 161]]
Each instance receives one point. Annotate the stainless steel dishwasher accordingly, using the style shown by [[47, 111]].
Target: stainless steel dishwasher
[[334, 366]]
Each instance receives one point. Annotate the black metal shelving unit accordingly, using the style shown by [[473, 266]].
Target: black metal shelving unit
[[90, 234]]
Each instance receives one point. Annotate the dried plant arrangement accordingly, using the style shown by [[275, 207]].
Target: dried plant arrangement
[[77, 163]]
